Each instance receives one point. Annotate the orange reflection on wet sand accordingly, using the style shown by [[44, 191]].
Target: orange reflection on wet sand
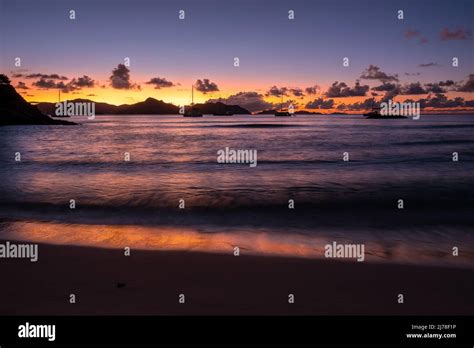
[[160, 238], [254, 242]]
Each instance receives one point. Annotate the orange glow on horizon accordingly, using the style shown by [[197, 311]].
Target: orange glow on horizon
[[181, 95]]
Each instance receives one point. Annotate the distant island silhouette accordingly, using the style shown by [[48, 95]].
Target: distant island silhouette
[[299, 112], [150, 106], [15, 110]]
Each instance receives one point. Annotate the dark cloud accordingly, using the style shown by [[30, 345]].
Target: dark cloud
[[386, 86], [76, 84], [412, 74], [391, 90], [434, 88], [413, 88], [206, 86], [120, 78], [427, 65], [468, 86], [159, 82], [373, 72], [367, 104], [415, 34], [21, 85], [446, 83], [459, 34], [66, 88], [320, 103], [312, 89], [339, 90], [84, 81], [437, 100], [46, 76], [297, 92], [45, 84], [277, 92], [390, 95], [251, 101], [73, 85], [441, 101]]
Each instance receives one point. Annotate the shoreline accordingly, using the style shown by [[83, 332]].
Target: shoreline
[[106, 282], [271, 242]]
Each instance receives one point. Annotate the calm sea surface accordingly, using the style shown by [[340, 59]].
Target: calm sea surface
[[136, 203]]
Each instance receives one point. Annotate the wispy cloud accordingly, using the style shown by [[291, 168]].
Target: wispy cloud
[[43, 76], [458, 34], [415, 34], [427, 65], [411, 33]]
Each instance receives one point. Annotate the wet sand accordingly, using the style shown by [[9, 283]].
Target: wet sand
[[218, 284]]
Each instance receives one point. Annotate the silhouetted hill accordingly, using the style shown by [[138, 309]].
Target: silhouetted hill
[[100, 108], [303, 112], [14, 110], [300, 112], [150, 106], [220, 108]]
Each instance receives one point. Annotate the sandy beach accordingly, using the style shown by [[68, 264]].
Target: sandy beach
[[217, 284]]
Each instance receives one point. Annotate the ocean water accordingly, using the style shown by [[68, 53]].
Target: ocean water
[[135, 203]]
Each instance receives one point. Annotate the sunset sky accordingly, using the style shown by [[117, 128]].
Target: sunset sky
[[168, 55]]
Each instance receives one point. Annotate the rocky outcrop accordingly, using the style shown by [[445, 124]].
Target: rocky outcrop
[[14, 110]]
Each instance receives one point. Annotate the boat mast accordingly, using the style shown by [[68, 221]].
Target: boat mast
[[192, 94]]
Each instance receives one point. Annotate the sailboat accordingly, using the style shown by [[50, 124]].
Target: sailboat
[[192, 111], [282, 112], [59, 101]]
